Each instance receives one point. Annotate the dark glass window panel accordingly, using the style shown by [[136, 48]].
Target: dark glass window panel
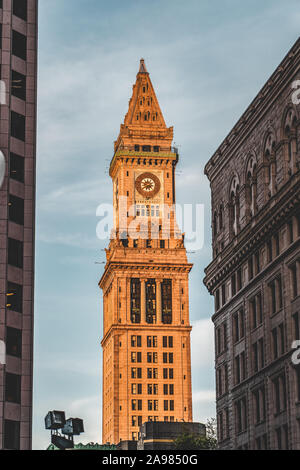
[[13, 388], [19, 45], [17, 126], [16, 210], [17, 167], [13, 342], [151, 301], [11, 435], [18, 85], [20, 9], [135, 300], [15, 253], [14, 297], [166, 301]]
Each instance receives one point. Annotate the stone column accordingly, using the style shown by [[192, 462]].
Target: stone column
[[143, 301], [158, 303]]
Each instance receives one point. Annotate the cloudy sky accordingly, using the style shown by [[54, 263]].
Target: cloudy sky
[[207, 60]]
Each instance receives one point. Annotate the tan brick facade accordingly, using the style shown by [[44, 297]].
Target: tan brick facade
[[255, 272], [146, 341]]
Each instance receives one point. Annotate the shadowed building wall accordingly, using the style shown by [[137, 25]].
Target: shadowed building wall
[[255, 272], [18, 53]]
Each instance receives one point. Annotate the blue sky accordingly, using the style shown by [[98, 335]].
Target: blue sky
[[207, 61]]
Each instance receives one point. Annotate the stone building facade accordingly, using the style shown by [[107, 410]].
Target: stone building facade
[[18, 53], [255, 273], [146, 329]]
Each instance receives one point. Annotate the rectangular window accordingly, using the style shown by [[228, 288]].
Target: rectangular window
[[257, 263], [17, 167], [277, 244], [223, 294], [217, 300], [250, 268], [16, 210], [13, 388], [19, 45], [14, 297], [270, 251], [13, 342], [275, 343], [15, 253], [20, 9], [239, 279], [11, 435], [296, 320], [135, 300], [294, 280], [290, 230], [151, 301], [166, 301], [233, 284], [18, 85], [17, 126]]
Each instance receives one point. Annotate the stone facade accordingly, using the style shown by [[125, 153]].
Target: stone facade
[[18, 53], [255, 272], [146, 339]]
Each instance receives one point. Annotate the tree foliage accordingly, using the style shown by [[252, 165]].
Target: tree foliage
[[195, 442]]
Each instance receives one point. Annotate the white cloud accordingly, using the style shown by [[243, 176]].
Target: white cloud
[[202, 342], [204, 396]]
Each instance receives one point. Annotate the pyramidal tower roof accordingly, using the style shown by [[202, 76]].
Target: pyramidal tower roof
[[144, 123]]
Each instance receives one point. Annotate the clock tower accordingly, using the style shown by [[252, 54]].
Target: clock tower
[[146, 329]]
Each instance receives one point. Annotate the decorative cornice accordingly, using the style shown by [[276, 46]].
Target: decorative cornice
[[123, 154], [113, 266], [256, 108], [153, 326]]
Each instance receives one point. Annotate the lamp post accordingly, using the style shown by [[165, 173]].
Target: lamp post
[[62, 430]]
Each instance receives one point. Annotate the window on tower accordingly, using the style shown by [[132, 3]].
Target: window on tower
[[166, 301], [151, 301], [135, 294]]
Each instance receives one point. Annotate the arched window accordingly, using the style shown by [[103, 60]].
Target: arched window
[[234, 205], [290, 141], [251, 188], [270, 163]]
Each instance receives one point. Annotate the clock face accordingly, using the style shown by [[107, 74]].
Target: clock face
[[147, 184]]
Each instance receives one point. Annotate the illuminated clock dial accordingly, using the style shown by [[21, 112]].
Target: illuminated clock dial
[[147, 184]]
